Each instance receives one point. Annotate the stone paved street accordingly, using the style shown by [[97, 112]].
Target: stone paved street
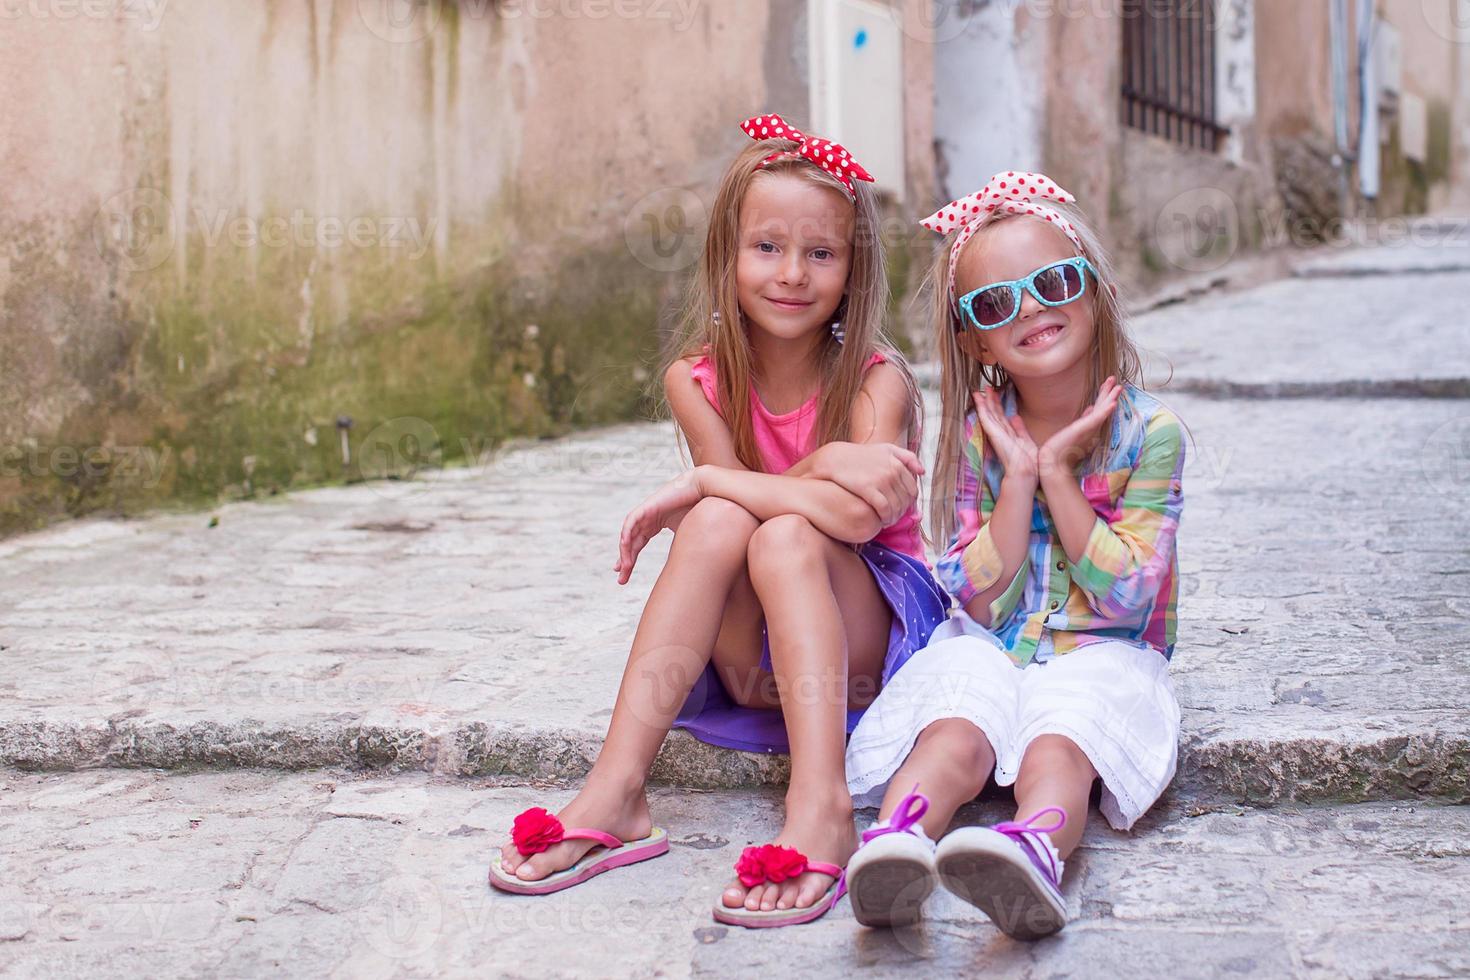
[[285, 744], [474, 626], [249, 874]]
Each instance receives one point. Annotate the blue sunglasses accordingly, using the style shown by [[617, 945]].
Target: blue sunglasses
[[999, 303]]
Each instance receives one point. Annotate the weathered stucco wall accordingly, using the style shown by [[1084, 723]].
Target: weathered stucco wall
[[1430, 31], [991, 113], [1295, 94], [1168, 209], [1165, 210], [1293, 65], [226, 225]]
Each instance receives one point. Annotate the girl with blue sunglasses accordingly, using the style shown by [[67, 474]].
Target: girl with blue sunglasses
[[1056, 499]]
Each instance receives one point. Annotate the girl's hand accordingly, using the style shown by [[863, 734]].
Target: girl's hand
[[1063, 451], [882, 475], [1008, 437], [664, 508]]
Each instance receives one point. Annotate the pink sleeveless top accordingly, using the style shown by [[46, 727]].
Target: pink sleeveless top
[[785, 440]]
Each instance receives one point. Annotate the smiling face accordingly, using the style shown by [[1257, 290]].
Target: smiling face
[[795, 250], [1042, 341]]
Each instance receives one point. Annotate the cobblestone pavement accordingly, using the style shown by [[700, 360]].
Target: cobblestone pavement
[[248, 874]]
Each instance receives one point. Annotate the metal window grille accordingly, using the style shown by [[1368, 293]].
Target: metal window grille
[[1169, 70]]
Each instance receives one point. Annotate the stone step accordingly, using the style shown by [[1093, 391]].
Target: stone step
[[469, 622], [1392, 247], [1287, 766], [1316, 338]]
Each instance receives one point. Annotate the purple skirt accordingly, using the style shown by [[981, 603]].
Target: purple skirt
[[919, 605]]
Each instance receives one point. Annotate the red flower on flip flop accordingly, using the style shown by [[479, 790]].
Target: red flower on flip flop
[[536, 830], [769, 862]]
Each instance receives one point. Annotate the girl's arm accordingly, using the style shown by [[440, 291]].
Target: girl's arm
[[1121, 564], [986, 563], [837, 512], [831, 509], [879, 417], [1009, 527], [705, 432]]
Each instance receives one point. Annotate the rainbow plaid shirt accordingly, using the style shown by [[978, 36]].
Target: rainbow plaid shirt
[[1127, 585]]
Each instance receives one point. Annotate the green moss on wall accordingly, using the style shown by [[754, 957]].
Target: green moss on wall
[[902, 253], [234, 391], [1404, 182], [1437, 166]]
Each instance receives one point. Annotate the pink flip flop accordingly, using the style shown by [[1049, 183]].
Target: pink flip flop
[[775, 864], [535, 830]]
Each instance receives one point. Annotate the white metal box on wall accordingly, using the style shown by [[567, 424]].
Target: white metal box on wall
[[1388, 49], [1413, 127], [857, 84]]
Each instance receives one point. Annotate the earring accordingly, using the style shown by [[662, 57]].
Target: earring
[[839, 334]]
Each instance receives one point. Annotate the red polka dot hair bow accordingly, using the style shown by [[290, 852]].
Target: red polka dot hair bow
[[830, 156], [1014, 191]]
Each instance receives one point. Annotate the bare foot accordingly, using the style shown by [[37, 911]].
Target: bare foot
[[823, 830], [625, 817]]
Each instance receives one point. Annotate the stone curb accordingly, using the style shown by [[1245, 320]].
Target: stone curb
[[1266, 771], [1347, 388], [1328, 271]]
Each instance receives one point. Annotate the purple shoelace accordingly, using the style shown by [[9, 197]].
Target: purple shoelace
[[909, 811], [1025, 835]]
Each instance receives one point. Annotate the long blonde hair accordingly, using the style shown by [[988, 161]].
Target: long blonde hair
[[712, 315], [1113, 353]]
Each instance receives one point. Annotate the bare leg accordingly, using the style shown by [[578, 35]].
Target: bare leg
[[1055, 772], [737, 656], [950, 762], [678, 630], [828, 626]]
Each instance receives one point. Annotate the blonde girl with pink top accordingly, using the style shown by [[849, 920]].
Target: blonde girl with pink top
[[796, 584]]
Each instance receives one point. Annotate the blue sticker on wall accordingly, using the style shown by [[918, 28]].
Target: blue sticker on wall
[[861, 40]]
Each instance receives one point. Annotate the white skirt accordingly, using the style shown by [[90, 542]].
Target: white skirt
[[1113, 699]]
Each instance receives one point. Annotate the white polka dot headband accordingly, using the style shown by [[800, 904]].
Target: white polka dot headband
[[1014, 191], [826, 154]]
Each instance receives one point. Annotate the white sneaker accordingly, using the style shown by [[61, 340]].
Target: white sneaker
[[893, 871], [1011, 872]]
